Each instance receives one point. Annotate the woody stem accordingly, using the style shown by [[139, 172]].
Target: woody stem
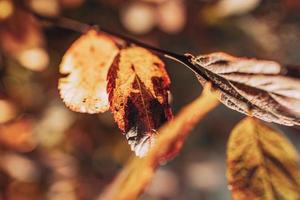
[[81, 27]]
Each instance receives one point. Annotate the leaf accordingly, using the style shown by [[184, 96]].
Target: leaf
[[262, 163], [136, 175], [254, 87], [86, 64], [138, 87]]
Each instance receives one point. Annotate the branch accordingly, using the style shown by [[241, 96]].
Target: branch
[[136, 175], [71, 24], [185, 59]]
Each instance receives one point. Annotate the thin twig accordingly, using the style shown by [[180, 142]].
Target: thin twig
[[71, 24], [80, 27]]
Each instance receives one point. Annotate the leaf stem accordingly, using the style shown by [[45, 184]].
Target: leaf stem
[[81, 27], [74, 25]]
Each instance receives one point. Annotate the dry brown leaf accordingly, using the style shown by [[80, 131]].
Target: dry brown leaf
[[86, 64], [262, 163], [138, 87], [136, 175], [253, 87]]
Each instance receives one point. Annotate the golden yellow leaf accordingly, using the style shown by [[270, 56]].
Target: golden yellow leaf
[[262, 163], [86, 63], [136, 175]]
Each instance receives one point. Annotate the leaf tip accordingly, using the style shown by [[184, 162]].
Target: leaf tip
[[140, 144]]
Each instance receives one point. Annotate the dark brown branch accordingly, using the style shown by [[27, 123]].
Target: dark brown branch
[[80, 27]]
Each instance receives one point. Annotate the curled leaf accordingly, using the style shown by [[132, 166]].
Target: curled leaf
[[253, 87], [86, 64], [136, 175], [138, 87], [262, 163]]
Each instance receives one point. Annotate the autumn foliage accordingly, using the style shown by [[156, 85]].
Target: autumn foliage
[[133, 81], [58, 140], [253, 87], [262, 163], [138, 87], [86, 64]]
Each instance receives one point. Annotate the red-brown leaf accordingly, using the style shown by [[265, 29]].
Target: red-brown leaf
[[138, 86]]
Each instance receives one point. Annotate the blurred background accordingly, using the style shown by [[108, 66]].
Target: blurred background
[[50, 152]]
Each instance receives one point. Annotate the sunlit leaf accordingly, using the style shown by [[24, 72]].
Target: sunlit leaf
[[138, 172], [86, 64], [262, 163], [138, 86], [253, 87]]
